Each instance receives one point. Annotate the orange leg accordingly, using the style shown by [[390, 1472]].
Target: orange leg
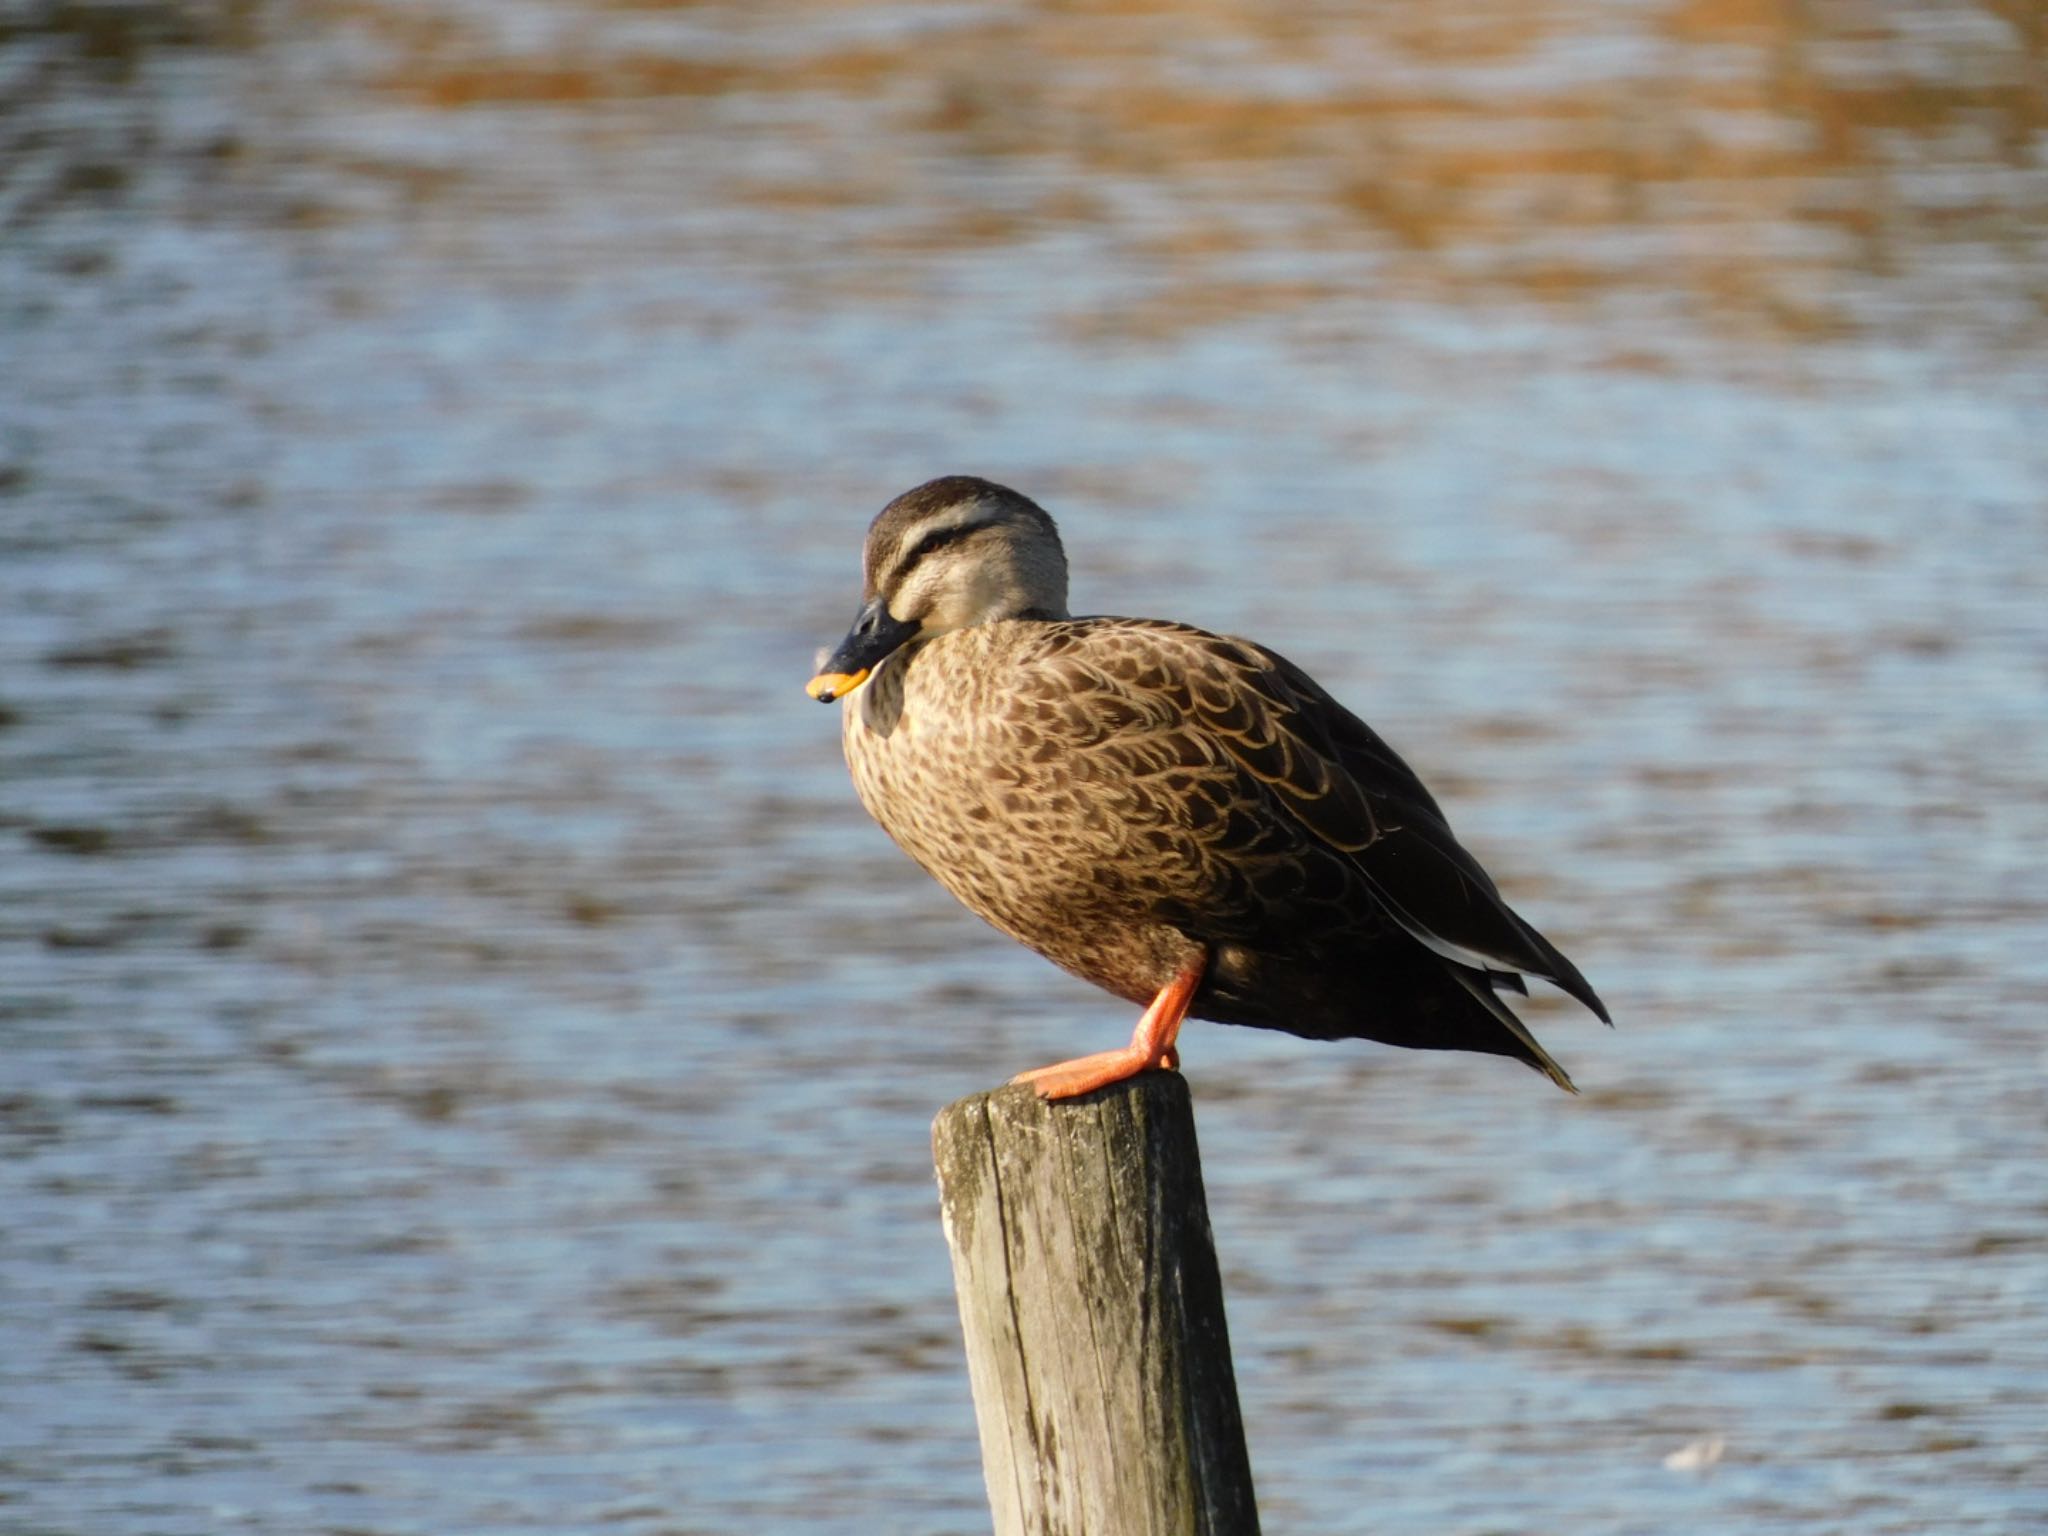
[[1151, 1044]]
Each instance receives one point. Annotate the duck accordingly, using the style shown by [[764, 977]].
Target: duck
[[1186, 820]]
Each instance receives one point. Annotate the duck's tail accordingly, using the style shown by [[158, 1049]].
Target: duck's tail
[[1481, 985]]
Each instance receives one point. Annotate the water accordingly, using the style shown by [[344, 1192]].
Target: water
[[468, 1061]]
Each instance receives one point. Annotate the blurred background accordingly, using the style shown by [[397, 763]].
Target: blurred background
[[467, 1058]]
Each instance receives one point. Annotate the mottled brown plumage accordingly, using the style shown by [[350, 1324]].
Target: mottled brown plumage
[[1132, 798]]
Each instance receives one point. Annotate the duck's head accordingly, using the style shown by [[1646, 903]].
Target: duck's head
[[952, 553]]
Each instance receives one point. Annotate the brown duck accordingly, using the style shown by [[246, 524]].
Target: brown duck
[[1184, 819]]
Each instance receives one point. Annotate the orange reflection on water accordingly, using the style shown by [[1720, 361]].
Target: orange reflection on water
[[1794, 171]]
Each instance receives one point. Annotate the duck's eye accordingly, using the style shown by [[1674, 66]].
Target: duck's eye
[[937, 540]]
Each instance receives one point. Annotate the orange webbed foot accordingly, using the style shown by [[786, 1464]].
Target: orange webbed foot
[[1085, 1074], [1151, 1048]]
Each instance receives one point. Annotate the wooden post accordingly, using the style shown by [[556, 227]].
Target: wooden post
[[1093, 1313]]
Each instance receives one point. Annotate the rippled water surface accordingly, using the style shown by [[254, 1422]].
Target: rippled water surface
[[467, 1059]]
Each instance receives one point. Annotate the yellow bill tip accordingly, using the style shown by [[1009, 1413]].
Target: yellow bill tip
[[827, 686]]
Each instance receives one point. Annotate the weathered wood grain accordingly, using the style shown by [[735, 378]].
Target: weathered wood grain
[[1093, 1313]]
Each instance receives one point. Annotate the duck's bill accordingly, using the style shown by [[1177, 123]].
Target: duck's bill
[[874, 637], [827, 686]]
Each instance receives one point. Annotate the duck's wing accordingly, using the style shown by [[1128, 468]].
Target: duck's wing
[[1354, 794]]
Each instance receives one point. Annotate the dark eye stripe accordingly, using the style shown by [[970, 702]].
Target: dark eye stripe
[[931, 543]]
